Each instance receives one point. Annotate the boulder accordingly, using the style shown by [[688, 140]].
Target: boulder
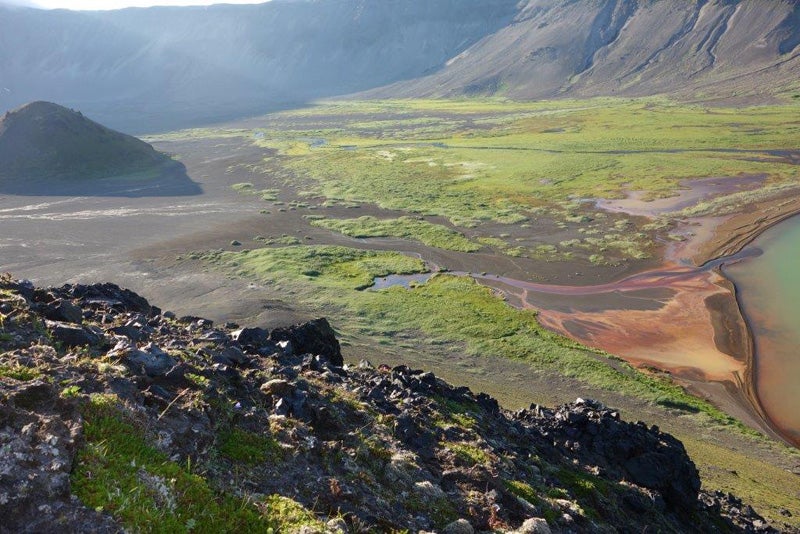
[[39, 439], [113, 295], [64, 311], [250, 336], [534, 525], [315, 337], [72, 335], [150, 361], [277, 387], [234, 354]]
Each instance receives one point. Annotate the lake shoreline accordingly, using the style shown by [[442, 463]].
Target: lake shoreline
[[723, 237], [731, 386], [734, 244]]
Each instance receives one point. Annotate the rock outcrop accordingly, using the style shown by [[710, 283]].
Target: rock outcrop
[[150, 413]]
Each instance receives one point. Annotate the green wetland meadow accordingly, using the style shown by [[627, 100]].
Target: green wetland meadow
[[500, 179]]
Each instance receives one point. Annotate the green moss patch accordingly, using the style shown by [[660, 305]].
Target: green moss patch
[[19, 372], [119, 473], [433, 235], [247, 447]]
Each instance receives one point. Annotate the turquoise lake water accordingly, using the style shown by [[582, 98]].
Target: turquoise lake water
[[769, 290]]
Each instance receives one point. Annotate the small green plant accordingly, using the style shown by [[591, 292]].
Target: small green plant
[[468, 454], [247, 447], [287, 515], [440, 510], [523, 490], [70, 392], [583, 485], [198, 380], [19, 372]]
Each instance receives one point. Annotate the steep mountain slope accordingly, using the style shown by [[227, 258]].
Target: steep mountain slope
[[628, 47], [44, 140]]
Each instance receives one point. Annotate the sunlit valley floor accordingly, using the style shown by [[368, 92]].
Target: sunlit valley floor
[[511, 205]]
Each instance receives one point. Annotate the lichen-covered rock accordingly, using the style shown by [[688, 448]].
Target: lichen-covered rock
[[534, 525], [459, 526], [39, 435]]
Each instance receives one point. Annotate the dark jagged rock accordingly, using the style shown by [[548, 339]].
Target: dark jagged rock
[[378, 449], [315, 337], [627, 451], [111, 295], [150, 360], [72, 335], [251, 336], [63, 311]]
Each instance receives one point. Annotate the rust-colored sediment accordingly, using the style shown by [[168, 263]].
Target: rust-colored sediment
[[699, 334], [730, 237], [679, 337]]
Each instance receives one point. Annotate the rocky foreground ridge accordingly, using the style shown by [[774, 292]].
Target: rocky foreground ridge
[[115, 416]]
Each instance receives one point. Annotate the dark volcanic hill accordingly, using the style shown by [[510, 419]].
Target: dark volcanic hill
[[43, 140], [145, 69]]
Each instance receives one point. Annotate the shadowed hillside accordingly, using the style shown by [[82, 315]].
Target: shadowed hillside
[[147, 69]]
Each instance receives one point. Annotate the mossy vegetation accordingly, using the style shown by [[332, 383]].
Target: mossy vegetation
[[480, 162], [247, 188], [118, 472], [19, 372], [523, 490], [467, 454], [485, 162], [339, 266], [248, 447], [457, 414], [433, 235], [287, 515], [440, 509]]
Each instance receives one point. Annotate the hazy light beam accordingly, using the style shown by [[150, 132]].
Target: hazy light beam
[[102, 5]]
